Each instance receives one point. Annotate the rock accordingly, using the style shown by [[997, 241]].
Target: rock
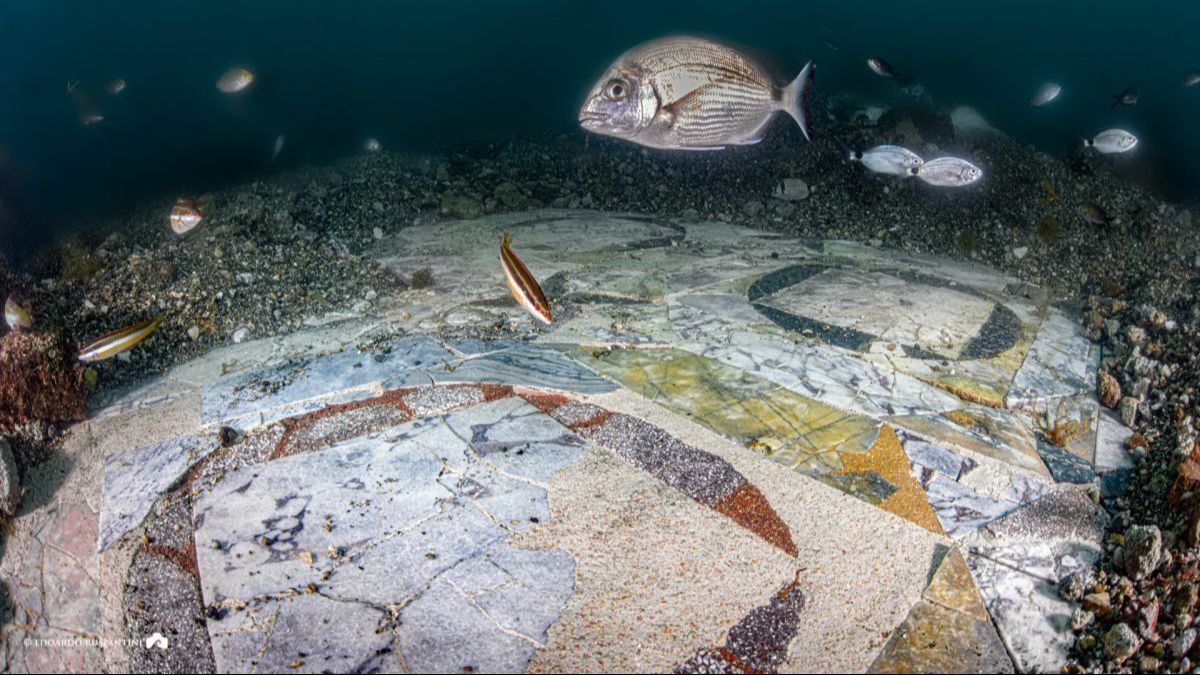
[[1128, 410], [1135, 335], [508, 194], [10, 482], [1108, 389], [690, 215], [193, 333], [1081, 618], [1148, 620], [239, 335], [460, 206], [1075, 585], [377, 233], [1120, 643], [1183, 643], [752, 208], [1143, 550], [792, 190], [1097, 603], [1020, 252]]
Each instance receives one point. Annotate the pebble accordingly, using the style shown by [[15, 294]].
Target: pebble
[[377, 232], [1020, 252], [194, 333], [239, 335], [1120, 643], [1143, 550]]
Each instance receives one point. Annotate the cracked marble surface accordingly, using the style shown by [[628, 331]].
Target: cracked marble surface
[[494, 524]]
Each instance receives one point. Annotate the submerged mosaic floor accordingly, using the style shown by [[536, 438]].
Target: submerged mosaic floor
[[731, 452]]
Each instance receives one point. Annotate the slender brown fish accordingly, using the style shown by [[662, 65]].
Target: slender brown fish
[[120, 340], [522, 284]]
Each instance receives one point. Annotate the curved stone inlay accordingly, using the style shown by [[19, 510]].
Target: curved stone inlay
[[854, 308]]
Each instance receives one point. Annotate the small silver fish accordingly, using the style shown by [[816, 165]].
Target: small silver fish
[[88, 120], [278, 147], [16, 316], [372, 145], [1191, 79], [115, 87], [1112, 140], [889, 159], [1047, 93], [235, 80], [948, 172], [688, 93], [884, 69], [1093, 213]]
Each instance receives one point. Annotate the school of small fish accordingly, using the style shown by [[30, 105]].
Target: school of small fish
[[672, 93]]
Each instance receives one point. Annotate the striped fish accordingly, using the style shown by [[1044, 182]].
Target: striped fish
[[522, 284], [16, 316], [688, 93], [120, 340]]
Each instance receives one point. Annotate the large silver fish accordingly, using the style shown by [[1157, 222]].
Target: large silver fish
[[890, 159], [1111, 141], [688, 93], [948, 172]]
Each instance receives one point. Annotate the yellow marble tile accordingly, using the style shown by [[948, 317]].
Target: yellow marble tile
[[936, 639], [887, 458], [791, 429], [952, 586]]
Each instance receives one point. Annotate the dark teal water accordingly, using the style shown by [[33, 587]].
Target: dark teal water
[[422, 75]]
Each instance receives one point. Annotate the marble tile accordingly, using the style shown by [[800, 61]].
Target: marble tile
[[1111, 435], [961, 509], [1061, 362], [828, 374], [302, 385], [531, 365], [936, 319], [1050, 538], [887, 459], [134, 480], [935, 639], [416, 516], [1032, 620], [793, 430], [990, 432]]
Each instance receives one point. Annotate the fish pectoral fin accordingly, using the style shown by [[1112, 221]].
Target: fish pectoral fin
[[691, 100], [700, 148]]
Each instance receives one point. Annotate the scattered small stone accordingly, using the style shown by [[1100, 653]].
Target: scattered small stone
[[1120, 643], [1143, 550]]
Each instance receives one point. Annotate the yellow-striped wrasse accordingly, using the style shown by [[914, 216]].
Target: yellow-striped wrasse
[[688, 93], [120, 340], [16, 316], [522, 284], [184, 216], [235, 80]]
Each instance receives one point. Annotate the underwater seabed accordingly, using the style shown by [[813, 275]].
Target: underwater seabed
[[732, 451]]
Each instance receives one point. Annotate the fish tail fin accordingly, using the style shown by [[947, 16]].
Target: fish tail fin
[[795, 98]]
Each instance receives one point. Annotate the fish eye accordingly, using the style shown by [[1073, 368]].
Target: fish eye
[[616, 90]]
